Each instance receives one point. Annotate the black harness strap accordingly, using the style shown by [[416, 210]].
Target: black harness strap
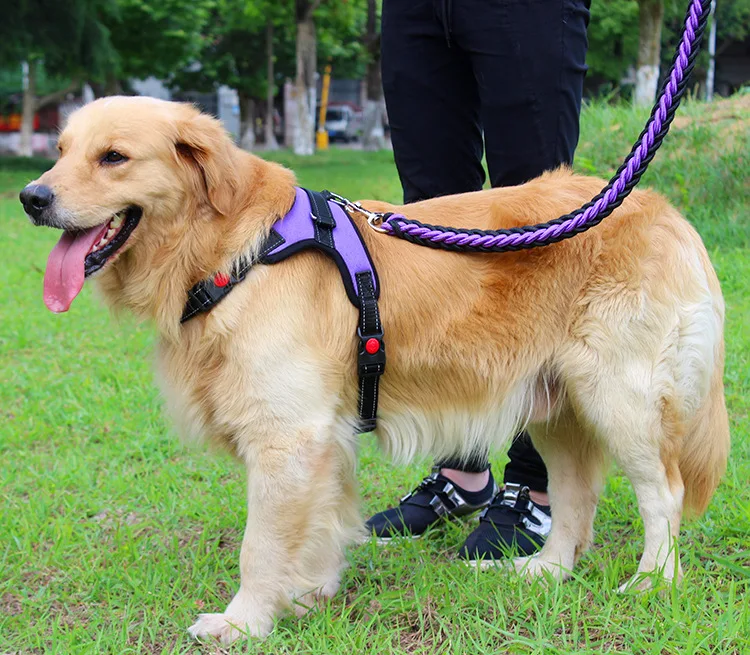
[[322, 218], [207, 293], [371, 355]]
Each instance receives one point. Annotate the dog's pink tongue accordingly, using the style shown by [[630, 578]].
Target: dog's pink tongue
[[63, 279]]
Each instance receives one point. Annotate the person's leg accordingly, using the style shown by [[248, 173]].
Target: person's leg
[[529, 60], [470, 474], [433, 110], [432, 102], [527, 467]]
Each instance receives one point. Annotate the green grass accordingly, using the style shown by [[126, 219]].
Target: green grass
[[113, 534]]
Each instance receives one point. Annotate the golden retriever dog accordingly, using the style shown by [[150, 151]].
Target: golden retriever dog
[[607, 346]]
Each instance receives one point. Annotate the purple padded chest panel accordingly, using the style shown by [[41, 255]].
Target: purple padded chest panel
[[298, 231]]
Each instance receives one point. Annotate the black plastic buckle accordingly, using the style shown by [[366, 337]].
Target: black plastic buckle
[[209, 293], [370, 364], [523, 500]]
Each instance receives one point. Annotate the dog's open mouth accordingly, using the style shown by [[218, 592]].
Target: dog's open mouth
[[119, 228], [81, 253]]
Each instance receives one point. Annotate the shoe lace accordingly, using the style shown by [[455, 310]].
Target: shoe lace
[[515, 498], [445, 497], [424, 485]]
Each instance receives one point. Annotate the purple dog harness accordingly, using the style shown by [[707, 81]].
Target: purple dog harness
[[317, 221]]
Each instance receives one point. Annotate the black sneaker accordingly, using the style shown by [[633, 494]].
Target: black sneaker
[[513, 525], [435, 498]]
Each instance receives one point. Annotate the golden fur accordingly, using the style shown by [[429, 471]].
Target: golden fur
[[608, 344]]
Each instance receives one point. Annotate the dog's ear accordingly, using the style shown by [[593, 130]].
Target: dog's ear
[[203, 142]]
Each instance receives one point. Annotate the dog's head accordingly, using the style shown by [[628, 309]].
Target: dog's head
[[133, 173]]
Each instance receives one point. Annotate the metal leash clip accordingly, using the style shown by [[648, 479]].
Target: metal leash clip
[[374, 219]]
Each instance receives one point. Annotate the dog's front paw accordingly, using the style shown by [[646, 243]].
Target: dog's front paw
[[636, 584], [537, 567], [646, 581], [226, 629], [305, 602]]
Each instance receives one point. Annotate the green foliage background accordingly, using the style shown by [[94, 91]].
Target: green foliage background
[[200, 44]]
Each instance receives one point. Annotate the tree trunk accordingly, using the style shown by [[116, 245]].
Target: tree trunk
[[304, 88], [29, 108], [651, 15], [110, 87], [271, 143], [711, 74], [113, 86], [247, 122], [373, 136]]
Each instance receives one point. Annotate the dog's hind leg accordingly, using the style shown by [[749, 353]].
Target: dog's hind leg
[[635, 424], [654, 473], [575, 466], [301, 512]]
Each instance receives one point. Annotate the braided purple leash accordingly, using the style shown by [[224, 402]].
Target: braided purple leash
[[611, 197]]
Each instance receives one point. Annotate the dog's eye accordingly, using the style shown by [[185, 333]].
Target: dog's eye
[[113, 157]]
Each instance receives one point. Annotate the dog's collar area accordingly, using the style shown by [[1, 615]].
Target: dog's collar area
[[317, 221], [203, 296]]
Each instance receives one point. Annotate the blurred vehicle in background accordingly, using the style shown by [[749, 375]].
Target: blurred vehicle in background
[[343, 122]]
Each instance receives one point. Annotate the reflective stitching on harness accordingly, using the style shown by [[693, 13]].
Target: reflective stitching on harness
[[363, 280], [361, 395], [271, 245], [375, 393]]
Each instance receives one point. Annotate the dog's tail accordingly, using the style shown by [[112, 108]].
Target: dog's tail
[[703, 457]]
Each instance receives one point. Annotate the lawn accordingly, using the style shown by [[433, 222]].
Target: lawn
[[114, 534]]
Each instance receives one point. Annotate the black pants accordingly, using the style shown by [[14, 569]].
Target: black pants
[[463, 76]]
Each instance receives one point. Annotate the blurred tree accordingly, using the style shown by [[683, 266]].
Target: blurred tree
[[373, 137], [102, 42], [304, 85], [341, 24], [69, 39], [732, 23], [236, 51], [732, 20], [614, 34], [250, 45], [270, 135], [650, 19], [154, 38], [613, 39]]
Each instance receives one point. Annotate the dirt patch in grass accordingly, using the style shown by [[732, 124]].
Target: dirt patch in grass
[[733, 114], [71, 616], [424, 631], [736, 108], [170, 646], [10, 605]]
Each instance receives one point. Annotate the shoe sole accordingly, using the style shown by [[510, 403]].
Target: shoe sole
[[384, 541], [485, 564]]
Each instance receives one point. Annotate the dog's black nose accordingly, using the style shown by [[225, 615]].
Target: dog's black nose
[[35, 198]]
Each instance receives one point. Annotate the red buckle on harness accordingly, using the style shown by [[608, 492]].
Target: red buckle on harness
[[221, 279]]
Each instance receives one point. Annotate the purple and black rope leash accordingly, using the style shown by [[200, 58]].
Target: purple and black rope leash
[[593, 212]]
